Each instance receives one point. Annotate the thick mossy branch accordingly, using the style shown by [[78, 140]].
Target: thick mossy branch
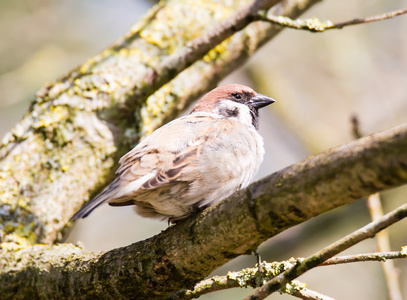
[[187, 252], [66, 146]]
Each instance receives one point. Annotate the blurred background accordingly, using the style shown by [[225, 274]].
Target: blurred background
[[319, 81]]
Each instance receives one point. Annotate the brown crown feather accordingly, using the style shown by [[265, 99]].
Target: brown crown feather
[[208, 101]]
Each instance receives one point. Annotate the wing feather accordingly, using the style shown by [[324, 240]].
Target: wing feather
[[169, 155], [173, 161]]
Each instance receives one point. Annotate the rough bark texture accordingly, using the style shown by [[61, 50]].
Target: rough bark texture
[[67, 145], [187, 252]]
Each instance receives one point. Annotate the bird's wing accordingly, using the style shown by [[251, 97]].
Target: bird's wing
[[170, 154]]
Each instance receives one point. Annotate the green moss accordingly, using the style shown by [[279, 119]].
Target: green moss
[[219, 52]]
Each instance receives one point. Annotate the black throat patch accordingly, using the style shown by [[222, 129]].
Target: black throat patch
[[254, 113]]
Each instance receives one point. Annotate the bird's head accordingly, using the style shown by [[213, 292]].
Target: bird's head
[[234, 101]]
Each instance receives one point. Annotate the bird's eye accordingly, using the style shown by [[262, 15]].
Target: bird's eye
[[237, 96]]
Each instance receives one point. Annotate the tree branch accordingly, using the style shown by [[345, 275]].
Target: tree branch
[[308, 294], [377, 256], [304, 265], [197, 48], [187, 252], [252, 277], [382, 238], [315, 25], [391, 273]]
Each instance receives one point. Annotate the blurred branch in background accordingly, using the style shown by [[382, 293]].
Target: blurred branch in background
[[391, 273], [374, 205]]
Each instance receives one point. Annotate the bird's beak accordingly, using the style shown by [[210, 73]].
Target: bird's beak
[[260, 101]]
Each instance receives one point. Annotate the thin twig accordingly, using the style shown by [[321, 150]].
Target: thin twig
[[355, 127], [316, 259], [315, 25], [376, 256], [384, 16], [307, 294], [299, 290]]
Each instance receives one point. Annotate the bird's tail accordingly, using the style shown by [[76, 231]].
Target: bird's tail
[[106, 195]]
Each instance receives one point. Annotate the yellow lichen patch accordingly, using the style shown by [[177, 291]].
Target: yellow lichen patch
[[64, 167], [51, 177], [293, 287], [5, 168], [13, 242], [156, 105], [55, 115], [174, 34], [22, 202], [216, 52], [55, 91], [9, 190], [87, 66]]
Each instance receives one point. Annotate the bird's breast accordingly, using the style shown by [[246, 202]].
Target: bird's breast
[[228, 163]]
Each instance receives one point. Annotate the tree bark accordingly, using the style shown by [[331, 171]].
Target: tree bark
[[187, 252]]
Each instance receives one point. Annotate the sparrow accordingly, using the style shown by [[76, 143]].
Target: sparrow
[[193, 161]]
